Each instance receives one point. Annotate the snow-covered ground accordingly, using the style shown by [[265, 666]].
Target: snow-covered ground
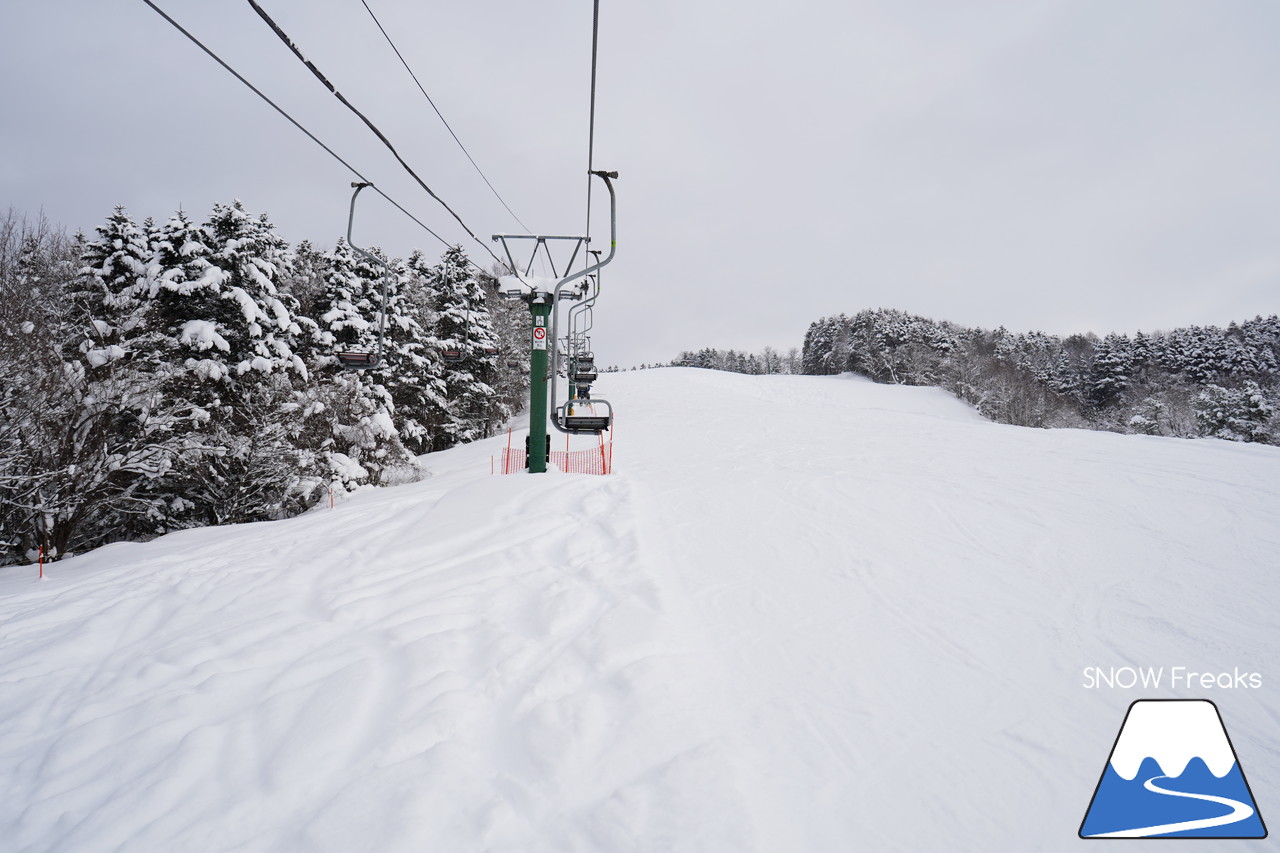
[[805, 614]]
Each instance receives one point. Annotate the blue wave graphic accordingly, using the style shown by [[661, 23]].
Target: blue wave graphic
[[1121, 805]]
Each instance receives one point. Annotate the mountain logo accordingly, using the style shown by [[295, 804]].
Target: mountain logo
[[1172, 773]]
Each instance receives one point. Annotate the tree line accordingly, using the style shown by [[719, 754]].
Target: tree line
[[767, 361], [168, 375], [1188, 382]]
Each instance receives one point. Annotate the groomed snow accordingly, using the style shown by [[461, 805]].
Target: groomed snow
[[805, 614]]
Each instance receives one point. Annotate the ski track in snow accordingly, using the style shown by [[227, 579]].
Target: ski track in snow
[[436, 674], [837, 616]]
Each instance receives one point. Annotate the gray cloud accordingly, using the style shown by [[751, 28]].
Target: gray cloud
[[1067, 166]]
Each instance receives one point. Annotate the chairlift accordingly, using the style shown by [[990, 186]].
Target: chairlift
[[454, 355], [355, 359], [579, 417], [583, 369]]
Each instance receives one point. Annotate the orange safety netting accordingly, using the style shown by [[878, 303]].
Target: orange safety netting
[[597, 460]]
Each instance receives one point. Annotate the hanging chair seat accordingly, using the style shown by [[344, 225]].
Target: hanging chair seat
[[586, 423], [585, 417], [357, 360]]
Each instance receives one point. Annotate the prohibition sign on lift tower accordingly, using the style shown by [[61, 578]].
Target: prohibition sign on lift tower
[[540, 338]]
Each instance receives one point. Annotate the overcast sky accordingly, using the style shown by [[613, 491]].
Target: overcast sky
[[1085, 165]]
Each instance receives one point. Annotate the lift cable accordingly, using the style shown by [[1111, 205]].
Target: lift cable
[[405, 63], [296, 124], [378, 133]]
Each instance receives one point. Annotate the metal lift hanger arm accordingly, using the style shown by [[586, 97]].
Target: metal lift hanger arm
[[374, 359], [558, 421]]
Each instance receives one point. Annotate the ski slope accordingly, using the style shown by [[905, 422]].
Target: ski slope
[[805, 614]]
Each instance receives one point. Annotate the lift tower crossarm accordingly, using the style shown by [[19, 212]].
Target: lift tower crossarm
[[540, 241]]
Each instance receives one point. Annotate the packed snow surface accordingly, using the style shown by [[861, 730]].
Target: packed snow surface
[[805, 614]]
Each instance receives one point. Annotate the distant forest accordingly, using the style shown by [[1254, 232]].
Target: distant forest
[[1201, 381], [164, 375]]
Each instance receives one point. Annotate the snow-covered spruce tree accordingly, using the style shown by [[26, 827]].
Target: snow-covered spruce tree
[[1242, 414], [305, 279], [105, 296], [512, 325], [414, 370], [463, 324], [817, 355], [362, 444], [37, 266], [1149, 418], [1112, 366], [229, 336], [1262, 337], [415, 375], [93, 426]]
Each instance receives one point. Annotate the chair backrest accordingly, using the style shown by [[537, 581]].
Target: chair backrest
[[356, 359]]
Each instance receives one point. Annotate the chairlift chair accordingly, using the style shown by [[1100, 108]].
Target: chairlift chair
[[571, 418], [583, 371], [355, 359], [453, 356], [578, 415]]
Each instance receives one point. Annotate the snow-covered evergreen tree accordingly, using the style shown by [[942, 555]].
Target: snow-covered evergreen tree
[[464, 324], [414, 373], [362, 442], [1243, 414], [1112, 364], [98, 431], [106, 295], [255, 323], [512, 326], [217, 316]]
